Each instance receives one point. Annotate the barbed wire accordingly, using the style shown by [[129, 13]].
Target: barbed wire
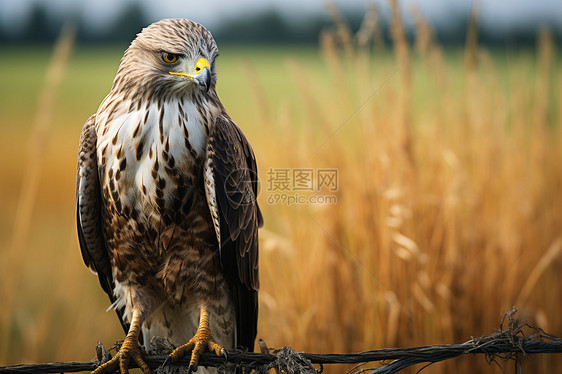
[[508, 343]]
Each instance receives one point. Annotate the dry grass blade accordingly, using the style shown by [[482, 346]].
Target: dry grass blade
[[402, 53], [38, 142], [343, 32], [471, 50], [369, 31], [545, 54], [258, 94], [546, 260]]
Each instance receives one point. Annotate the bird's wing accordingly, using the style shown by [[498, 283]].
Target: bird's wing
[[88, 213], [231, 187]]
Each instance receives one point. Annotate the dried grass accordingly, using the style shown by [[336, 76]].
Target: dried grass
[[446, 212], [37, 147]]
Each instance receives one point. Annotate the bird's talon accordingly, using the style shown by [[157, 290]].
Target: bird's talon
[[167, 361], [223, 352], [120, 362], [191, 369]]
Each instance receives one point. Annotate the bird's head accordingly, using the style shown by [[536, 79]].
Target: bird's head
[[170, 57]]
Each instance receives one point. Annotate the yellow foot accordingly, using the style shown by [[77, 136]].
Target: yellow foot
[[129, 350], [197, 345]]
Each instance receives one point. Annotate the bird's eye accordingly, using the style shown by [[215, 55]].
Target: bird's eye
[[170, 58]]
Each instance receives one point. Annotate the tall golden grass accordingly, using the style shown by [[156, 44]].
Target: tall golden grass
[[449, 207], [32, 170], [448, 212]]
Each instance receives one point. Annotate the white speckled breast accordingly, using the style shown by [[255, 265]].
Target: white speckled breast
[[138, 148]]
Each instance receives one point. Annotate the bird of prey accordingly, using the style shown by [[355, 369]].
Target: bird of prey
[[166, 201]]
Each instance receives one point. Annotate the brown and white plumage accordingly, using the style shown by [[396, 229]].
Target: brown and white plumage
[[166, 195]]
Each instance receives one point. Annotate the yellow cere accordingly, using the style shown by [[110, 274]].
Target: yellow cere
[[201, 64]]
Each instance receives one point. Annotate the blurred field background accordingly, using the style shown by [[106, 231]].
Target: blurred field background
[[449, 199]]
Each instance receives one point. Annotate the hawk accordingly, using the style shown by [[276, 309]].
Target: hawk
[[166, 201]]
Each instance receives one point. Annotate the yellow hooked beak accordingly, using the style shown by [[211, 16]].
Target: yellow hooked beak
[[201, 73]]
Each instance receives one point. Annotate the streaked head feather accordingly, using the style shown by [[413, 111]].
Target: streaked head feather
[[142, 71]]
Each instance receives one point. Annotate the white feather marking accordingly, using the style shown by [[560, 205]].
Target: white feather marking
[[211, 193], [139, 172], [123, 299], [194, 124]]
